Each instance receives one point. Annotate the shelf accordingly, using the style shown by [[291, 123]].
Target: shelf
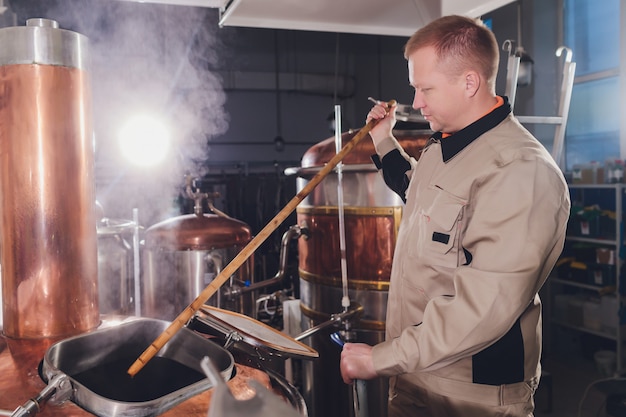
[[604, 235], [584, 329], [609, 186], [598, 241], [581, 285]]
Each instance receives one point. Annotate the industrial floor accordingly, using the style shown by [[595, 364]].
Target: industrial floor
[[570, 379], [578, 388]]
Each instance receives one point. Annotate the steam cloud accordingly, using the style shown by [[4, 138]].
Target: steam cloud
[[148, 58]]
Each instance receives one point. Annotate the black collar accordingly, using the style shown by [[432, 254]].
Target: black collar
[[455, 143]]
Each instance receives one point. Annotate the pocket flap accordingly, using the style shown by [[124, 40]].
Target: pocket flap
[[446, 214]]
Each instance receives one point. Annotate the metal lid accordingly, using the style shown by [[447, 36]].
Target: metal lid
[[193, 232], [42, 42], [241, 328], [319, 154]]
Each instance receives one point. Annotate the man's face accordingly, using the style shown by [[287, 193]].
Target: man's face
[[438, 95]]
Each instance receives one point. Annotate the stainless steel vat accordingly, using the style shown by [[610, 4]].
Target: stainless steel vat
[[256, 344], [182, 255], [90, 370], [103, 350]]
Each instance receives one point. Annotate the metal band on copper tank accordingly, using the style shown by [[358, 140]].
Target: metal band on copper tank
[[353, 284]]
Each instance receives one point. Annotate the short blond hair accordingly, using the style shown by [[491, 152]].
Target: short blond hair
[[461, 43]]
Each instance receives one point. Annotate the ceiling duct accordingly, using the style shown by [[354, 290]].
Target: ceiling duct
[[373, 17], [214, 4], [350, 16]]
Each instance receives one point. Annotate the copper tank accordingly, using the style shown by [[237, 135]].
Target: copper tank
[[372, 217], [372, 214], [47, 196], [184, 254]]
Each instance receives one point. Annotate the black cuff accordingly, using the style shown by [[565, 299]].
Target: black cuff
[[376, 160]]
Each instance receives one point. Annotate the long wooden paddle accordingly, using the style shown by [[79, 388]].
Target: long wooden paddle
[[247, 251]]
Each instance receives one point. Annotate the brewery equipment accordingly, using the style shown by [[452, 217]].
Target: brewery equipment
[[372, 216], [263, 404], [257, 345], [47, 196], [246, 252], [89, 370], [116, 257], [182, 255]]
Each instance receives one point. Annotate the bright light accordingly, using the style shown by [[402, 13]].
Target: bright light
[[144, 140]]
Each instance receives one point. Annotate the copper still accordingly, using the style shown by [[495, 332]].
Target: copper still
[[47, 189], [182, 255], [372, 214]]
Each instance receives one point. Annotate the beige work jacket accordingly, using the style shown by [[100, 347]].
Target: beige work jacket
[[483, 225]]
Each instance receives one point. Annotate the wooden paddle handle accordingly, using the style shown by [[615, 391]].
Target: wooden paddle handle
[[247, 251]]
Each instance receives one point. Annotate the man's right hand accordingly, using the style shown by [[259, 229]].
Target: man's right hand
[[386, 117]]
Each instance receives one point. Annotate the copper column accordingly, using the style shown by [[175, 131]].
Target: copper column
[[47, 198]]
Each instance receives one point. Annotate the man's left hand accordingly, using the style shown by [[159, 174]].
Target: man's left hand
[[357, 362]]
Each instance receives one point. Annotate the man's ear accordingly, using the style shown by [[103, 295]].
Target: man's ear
[[472, 83]]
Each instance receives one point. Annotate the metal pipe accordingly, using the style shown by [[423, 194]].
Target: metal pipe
[[294, 232], [136, 261], [335, 319], [345, 300], [359, 387]]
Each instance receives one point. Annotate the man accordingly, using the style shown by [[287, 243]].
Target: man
[[484, 223]]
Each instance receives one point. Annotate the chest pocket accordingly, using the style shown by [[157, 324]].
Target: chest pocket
[[439, 231]]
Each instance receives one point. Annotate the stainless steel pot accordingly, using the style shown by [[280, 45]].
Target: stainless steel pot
[[257, 345], [182, 255], [90, 370]]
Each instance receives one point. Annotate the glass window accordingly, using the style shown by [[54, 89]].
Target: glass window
[[593, 122], [592, 32]]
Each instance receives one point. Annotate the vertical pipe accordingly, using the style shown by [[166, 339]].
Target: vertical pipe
[[136, 263], [47, 192], [345, 301]]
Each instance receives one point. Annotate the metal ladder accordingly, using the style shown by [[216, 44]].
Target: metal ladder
[[567, 83]]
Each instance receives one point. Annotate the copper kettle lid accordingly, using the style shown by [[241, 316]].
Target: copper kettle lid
[[198, 232], [413, 141]]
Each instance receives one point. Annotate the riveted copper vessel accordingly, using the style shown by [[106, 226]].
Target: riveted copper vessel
[[47, 197], [184, 254], [372, 214]]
